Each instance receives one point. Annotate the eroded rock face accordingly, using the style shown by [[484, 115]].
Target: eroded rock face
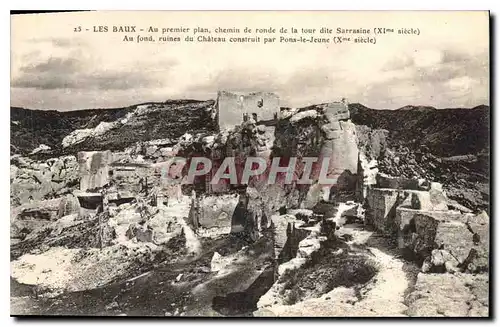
[[37, 180], [68, 205], [217, 211], [145, 215], [41, 210], [288, 232], [94, 170], [340, 143], [342, 150], [447, 295], [445, 241]]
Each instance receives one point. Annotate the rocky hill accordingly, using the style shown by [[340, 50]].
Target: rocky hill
[[110, 129], [450, 146], [445, 132]]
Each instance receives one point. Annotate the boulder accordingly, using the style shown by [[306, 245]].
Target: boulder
[[150, 150], [441, 261]]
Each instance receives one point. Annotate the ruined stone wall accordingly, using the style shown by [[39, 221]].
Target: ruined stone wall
[[94, 169], [427, 230], [384, 202], [231, 107], [340, 143], [217, 211]]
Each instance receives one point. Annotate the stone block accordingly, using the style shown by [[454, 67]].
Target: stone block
[[455, 237], [428, 201], [94, 169], [405, 221], [382, 208], [217, 211]]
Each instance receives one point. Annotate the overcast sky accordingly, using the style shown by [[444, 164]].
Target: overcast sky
[[447, 65]]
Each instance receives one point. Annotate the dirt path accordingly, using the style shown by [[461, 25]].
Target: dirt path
[[385, 294], [381, 296]]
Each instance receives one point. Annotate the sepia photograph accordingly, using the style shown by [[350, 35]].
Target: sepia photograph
[[257, 164]]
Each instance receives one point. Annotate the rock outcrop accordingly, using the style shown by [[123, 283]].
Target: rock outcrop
[[445, 295], [32, 180]]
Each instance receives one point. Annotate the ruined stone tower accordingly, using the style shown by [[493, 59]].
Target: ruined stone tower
[[231, 107]]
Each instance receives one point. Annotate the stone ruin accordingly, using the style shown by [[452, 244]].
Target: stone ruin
[[232, 107], [105, 180], [438, 233], [125, 191], [417, 213]]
